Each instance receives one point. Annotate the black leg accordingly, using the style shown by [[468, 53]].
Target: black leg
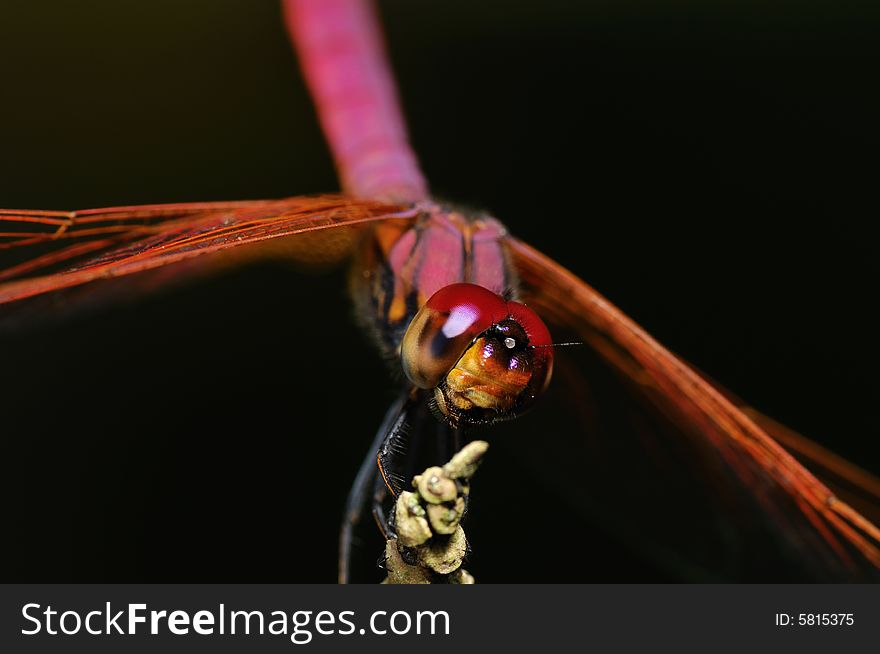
[[380, 492], [393, 423], [386, 459], [393, 448], [398, 473]]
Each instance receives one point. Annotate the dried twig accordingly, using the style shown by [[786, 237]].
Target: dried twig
[[430, 544]]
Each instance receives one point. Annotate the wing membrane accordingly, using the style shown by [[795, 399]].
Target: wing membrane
[[720, 438], [106, 243]]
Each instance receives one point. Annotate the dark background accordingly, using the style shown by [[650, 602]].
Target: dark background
[[709, 168]]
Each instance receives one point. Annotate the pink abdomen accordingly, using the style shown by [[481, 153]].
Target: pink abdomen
[[344, 63]]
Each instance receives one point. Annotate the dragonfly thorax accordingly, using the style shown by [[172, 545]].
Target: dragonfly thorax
[[404, 262], [439, 296]]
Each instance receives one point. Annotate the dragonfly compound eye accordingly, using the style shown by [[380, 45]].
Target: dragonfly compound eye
[[486, 359], [444, 328]]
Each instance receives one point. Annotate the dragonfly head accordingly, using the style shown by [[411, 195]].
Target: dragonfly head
[[486, 358]]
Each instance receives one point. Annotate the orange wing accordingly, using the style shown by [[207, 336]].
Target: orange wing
[[53, 250], [722, 441]]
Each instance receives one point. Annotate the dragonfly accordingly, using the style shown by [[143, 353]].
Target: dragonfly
[[397, 230]]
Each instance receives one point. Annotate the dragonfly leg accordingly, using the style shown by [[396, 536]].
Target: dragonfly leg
[[390, 482], [392, 425], [391, 472], [392, 475], [380, 493], [392, 479]]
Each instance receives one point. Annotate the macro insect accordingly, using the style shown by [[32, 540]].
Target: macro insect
[[456, 302]]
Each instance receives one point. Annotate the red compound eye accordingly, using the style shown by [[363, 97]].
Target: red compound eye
[[486, 359], [533, 326], [540, 342], [445, 327]]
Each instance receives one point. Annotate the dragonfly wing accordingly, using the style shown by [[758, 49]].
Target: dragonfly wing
[[58, 250], [854, 485], [702, 429]]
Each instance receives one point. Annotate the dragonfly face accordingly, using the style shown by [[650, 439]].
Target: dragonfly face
[[434, 292], [485, 358]]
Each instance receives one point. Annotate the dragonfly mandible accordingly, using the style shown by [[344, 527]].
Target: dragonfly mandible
[[150, 238]]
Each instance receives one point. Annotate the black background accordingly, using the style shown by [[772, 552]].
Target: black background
[[710, 169]]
